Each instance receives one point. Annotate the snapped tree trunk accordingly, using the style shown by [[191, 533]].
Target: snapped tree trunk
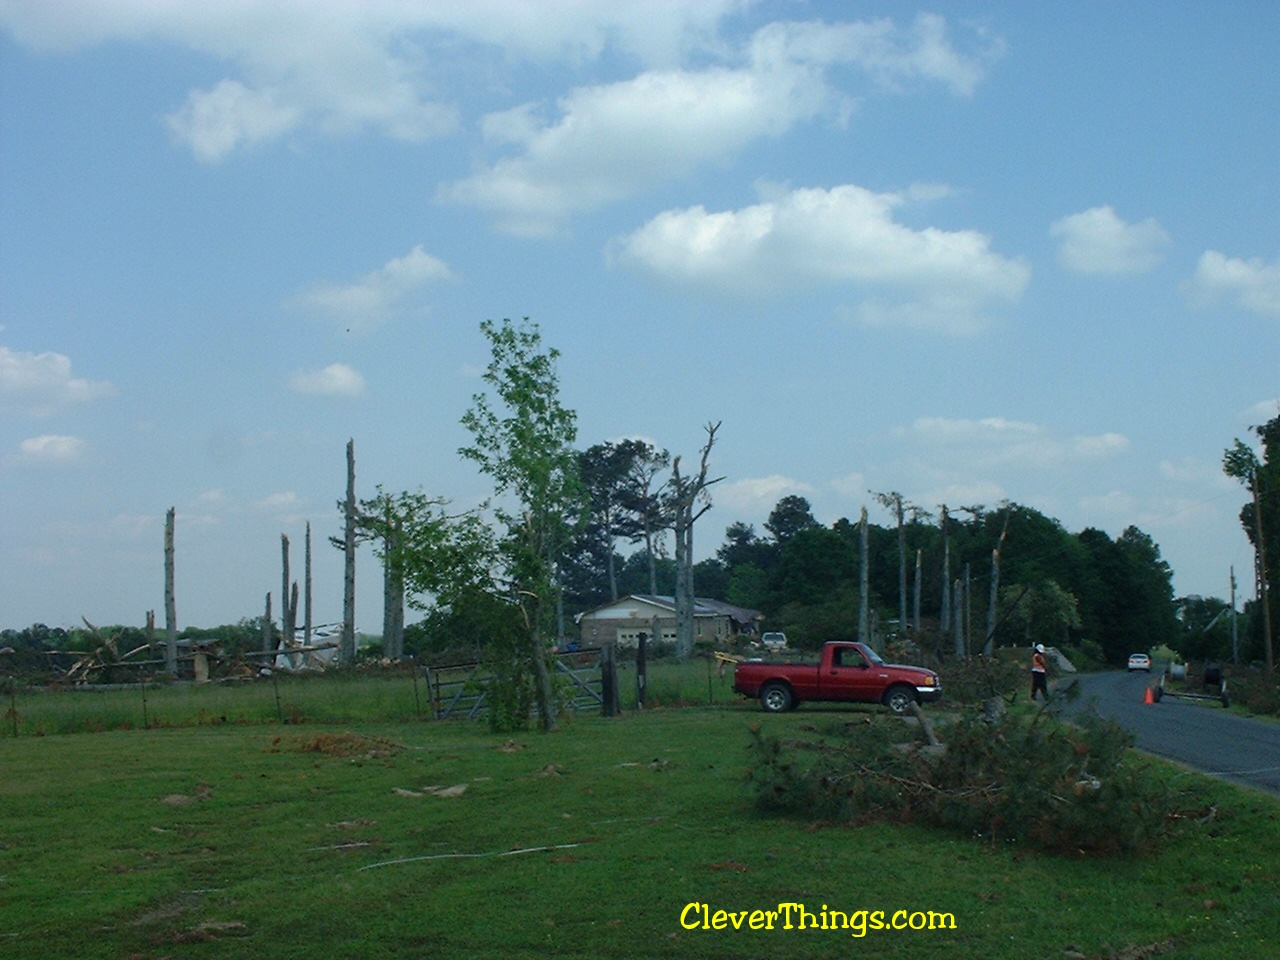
[[288, 611], [864, 585], [347, 652], [992, 611], [307, 614], [393, 589], [944, 615], [170, 603], [915, 607], [687, 494]]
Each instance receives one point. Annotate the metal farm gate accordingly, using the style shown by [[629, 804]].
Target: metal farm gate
[[460, 690]]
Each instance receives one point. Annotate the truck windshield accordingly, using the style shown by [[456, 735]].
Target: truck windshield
[[874, 657]]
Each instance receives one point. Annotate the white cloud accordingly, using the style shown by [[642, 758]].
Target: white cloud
[[42, 384], [852, 486], [216, 122], [890, 54], [753, 493], [844, 237], [335, 380], [958, 493], [363, 306], [615, 140], [1194, 472], [1098, 241], [50, 449], [1263, 412], [1252, 285], [283, 501], [342, 67], [995, 441]]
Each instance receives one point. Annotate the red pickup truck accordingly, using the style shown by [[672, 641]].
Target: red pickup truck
[[851, 672]]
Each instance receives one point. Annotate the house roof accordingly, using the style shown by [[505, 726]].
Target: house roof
[[702, 607]]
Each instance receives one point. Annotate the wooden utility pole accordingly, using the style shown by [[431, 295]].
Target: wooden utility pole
[[1235, 635], [1264, 591], [170, 604], [268, 627]]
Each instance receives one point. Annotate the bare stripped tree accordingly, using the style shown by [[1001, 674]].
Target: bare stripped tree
[[307, 615], [170, 604], [288, 596], [649, 504], [992, 609], [347, 651], [690, 500], [894, 503], [944, 612]]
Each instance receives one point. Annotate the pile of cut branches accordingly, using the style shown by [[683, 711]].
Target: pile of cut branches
[[1032, 780]]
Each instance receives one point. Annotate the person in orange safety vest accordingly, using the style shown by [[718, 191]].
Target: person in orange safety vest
[[1039, 672]]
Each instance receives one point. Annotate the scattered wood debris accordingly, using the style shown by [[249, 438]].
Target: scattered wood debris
[[432, 791]]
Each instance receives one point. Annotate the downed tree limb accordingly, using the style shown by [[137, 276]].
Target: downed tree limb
[[925, 725], [462, 856]]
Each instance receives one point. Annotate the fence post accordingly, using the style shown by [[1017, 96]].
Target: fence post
[[609, 706], [417, 703], [642, 670]]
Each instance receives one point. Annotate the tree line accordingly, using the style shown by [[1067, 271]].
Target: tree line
[[509, 579]]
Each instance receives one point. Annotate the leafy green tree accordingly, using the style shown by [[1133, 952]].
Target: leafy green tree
[[522, 439], [790, 516], [813, 564], [1206, 628], [748, 586], [1039, 613], [626, 504], [605, 469], [1261, 517], [634, 576], [648, 501], [742, 546]]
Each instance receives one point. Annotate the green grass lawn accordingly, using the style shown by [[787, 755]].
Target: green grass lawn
[[439, 839]]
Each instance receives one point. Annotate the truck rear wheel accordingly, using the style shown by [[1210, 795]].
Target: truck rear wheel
[[776, 697], [899, 699]]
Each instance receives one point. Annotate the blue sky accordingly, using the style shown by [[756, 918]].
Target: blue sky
[[973, 252]]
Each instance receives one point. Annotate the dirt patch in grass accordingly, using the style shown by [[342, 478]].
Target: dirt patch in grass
[[345, 745]]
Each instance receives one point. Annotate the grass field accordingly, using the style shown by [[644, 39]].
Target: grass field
[[336, 697], [368, 839]]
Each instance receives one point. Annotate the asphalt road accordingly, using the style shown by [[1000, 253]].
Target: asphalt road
[[1199, 734]]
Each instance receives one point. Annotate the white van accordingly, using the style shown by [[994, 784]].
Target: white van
[[776, 640]]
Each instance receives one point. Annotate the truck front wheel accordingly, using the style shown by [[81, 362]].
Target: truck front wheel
[[776, 697], [899, 699]]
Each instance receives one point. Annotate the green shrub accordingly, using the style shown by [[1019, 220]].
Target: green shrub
[[1256, 690]]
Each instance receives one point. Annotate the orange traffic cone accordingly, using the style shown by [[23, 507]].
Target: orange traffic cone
[[1147, 697]]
